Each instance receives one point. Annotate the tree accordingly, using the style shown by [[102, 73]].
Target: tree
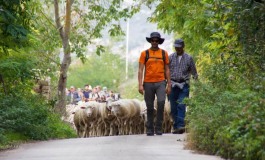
[[229, 33], [25, 52], [14, 28], [64, 34], [27, 45], [105, 70], [15, 24], [227, 39], [83, 22]]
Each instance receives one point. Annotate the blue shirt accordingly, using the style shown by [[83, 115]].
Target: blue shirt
[[86, 94], [181, 70]]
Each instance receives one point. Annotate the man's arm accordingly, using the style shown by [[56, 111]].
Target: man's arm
[[140, 78], [168, 90], [77, 98], [193, 69]]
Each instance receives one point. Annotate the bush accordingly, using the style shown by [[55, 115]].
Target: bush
[[31, 116], [58, 128], [228, 123], [244, 137]]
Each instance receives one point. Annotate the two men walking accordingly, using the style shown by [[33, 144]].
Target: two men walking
[[160, 74]]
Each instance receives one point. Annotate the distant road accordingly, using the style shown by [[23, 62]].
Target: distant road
[[133, 147]]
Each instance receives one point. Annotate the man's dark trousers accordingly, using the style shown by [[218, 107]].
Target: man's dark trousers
[[178, 109], [150, 91]]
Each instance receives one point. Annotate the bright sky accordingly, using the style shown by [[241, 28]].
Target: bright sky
[[139, 29]]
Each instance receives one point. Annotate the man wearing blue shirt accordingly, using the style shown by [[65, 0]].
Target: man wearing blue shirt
[[181, 66]]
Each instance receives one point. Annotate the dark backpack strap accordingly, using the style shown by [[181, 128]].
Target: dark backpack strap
[[146, 55], [164, 60], [164, 56], [146, 59]]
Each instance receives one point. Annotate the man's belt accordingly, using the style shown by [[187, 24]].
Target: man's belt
[[178, 81]]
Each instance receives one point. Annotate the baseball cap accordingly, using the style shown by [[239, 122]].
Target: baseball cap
[[179, 43]]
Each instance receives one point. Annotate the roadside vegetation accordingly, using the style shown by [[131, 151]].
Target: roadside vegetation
[[26, 117], [30, 44], [226, 113]]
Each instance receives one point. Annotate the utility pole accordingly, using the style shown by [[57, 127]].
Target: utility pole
[[127, 48]]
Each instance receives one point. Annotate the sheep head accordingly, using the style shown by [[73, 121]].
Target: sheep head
[[89, 108], [115, 108]]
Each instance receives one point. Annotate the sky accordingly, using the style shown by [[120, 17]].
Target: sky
[[139, 29]]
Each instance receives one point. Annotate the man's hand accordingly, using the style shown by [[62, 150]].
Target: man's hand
[[140, 78], [168, 89], [141, 89]]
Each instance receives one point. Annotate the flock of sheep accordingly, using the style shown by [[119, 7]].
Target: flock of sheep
[[120, 117]]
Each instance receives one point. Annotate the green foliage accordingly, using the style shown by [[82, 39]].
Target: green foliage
[[249, 19], [227, 38], [14, 24], [179, 17], [229, 124], [90, 20], [23, 63], [29, 116], [10, 140], [100, 49], [17, 68], [105, 70], [129, 89], [244, 137], [58, 128]]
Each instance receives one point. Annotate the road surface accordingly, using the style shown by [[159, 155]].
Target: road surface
[[133, 147]]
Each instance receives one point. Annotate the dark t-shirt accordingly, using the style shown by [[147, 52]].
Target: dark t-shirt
[[86, 94]]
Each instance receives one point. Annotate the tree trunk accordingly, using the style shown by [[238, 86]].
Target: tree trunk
[[62, 82], [64, 34]]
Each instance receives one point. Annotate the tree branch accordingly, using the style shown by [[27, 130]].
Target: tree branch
[[57, 19], [47, 19], [68, 18]]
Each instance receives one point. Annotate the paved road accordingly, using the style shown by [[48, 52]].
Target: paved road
[[134, 147]]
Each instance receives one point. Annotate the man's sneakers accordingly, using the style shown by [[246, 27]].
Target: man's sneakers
[[159, 132], [179, 130], [149, 133]]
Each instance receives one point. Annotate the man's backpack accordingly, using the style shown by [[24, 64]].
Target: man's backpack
[[163, 57], [147, 56]]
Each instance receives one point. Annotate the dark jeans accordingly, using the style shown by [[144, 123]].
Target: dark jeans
[[178, 109], [151, 90]]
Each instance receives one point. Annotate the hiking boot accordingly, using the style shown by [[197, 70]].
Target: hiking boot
[[159, 117], [149, 133], [180, 130], [159, 132]]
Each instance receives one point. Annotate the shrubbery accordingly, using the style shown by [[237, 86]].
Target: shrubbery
[[30, 116], [227, 123], [244, 136]]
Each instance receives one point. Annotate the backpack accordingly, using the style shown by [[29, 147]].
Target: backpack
[[147, 56], [163, 57]]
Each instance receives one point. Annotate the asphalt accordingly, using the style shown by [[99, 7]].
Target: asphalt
[[133, 147]]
